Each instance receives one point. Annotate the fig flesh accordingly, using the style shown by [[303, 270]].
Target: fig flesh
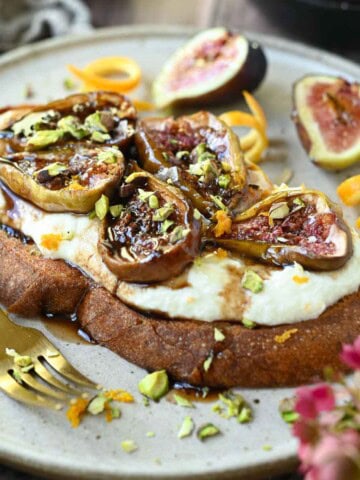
[[153, 235], [292, 225], [198, 154], [64, 155], [327, 118], [213, 67]]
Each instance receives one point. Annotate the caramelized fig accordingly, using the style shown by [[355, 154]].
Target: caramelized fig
[[198, 154], [213, 67], [327, 118], [292, 225], [151, 234], [64, 155]]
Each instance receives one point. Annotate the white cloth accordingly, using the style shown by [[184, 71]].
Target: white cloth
[[23, 21]]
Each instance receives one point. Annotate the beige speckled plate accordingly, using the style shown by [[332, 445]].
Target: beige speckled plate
[[42, 441]]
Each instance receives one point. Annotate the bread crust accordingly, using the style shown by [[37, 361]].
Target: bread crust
[[30, 285]]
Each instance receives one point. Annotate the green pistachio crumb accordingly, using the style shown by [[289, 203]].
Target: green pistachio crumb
[[196, 169], [226, 167], [129, 446], [102, 207], [115, 412], [54, 169], [43, 138], [100, 137], [197, 214], [290, 417], [144, 195], [207, 363], [267, 448], [218, 335], [165, 155], [24, 363], [68, 235], [153, 202], [186, 428], [115, 210], [207, 431], [183, 402], [109, 156], [165, 225], [71, 125], [17, 375], [183, 153], [178, 234], [97, 405], [93, 123], [206, 156], [224, 180], [69, 84], [248, 323], [92, 215], [32, 122], [201, 148], [205, 392], [150, 434], [245, 415], [252, 281], [146, 402], [297, 201], [163, 213], [219, 203], [279, 210], [154, 385], [173, 141]]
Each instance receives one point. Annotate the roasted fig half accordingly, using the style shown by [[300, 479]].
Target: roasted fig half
[[327, 118], [64, 155], [151, 234], [213, 67], [292, 225], [198, 154]]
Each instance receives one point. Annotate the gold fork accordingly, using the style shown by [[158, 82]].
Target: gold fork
[[38, 386]]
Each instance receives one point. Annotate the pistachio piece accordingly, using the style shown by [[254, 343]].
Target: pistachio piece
[[43, 138], [32, 122], [224, 180], [129, 446], [102, 207], [200, 149], [182, 154], [218, 335], [178, 234], [163, 213], [153, 202], [155, 385], [206, 431], [183, 402], [150, 434], [279, 210], [94, 124], [97, 405], [248, 323], [186, 428], [207, 363], [252, 281], [54, 169], [144, 195], [218, 202], [71, 125], [115, 210], [109, 156], [165, 225], [100, 137], [245, 415], [297, 201]]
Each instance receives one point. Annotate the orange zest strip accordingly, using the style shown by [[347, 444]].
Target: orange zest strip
[[256, 109], [95, 74], [143, 105], [357, 223], [119, 396], [349, 191], [51, 241], [223, 224], [76, 411]]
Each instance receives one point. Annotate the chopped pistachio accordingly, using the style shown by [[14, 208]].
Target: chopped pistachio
[[153, 202], [102, 207], [165, 155], [150, 434], [181, 154], [218, 335], [32, 122], [183, 402], [267, 448], [186, 428], [173, 141], [205, 392], [97, 405], [218, 202], [197, 214], [252, 281], [290, 417], [207, 363], [279, 211], [287, 410], [115, 412], [245, 415], [100, 137], [68, 235], [234, 403], [43, 138], [129, 446], [92, 215], [116, 210], [155, 385], [178, 234], [206, 431], [165, 225], [224, 180], [248, 323], [206, 156], [144, 195], [17, 375], [71, 125], [69, 84], [297, 201], [54, 169], [196, 169], [146, 402], [94, 124], [163, 213], [109, 156], [226, 167], [201, 148], [23, 362]]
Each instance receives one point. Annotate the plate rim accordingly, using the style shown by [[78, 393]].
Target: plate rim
[[37, 463]]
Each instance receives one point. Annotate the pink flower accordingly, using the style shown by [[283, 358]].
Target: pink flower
[[310, 401], [351, 354], [334, 457]]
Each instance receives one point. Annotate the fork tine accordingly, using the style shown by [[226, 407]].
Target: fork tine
[[64, 368], [51, 380], [39, 387], [16, 391]]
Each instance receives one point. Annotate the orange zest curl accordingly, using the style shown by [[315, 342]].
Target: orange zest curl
[[119, 396], [223, 225], [349, 191], [255, 141], [76, 411]]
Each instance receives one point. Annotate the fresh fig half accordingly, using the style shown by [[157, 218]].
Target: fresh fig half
[[64, 155], [327, 118], [199, 154], [213, 67], [151, 234], [292, 225]]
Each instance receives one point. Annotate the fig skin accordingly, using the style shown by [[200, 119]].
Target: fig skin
[[168, 264], [152, 160], [280, 254], [250, 72], [344, 113]]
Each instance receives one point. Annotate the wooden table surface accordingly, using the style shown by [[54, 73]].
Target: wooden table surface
[[275, 17]]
